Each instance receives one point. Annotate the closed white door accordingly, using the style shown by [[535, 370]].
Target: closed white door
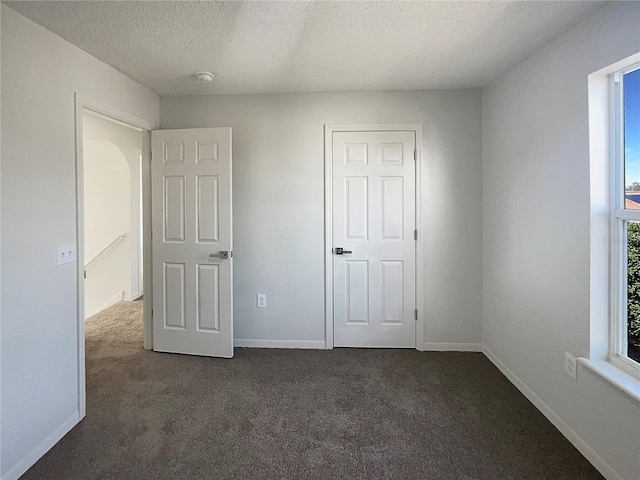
[[192, 241], [373, 239]]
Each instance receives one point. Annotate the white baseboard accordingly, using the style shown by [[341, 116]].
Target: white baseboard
[[132, 297], [32, 457], [450, 347], [113, 300], [603, 467], [118, 297], [306, 344]]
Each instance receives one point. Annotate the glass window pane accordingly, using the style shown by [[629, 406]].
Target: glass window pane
[[633, 291], [631, 101]]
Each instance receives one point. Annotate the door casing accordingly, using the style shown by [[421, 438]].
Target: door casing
[[82, 102], [328, 223]]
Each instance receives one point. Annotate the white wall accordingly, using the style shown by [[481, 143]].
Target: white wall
[[111, 208], [107, 212], [39, 376], [534, 220], [536, 226], [278, 194]]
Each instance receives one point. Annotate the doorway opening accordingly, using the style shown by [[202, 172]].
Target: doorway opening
[[112, 213], [128, 161]]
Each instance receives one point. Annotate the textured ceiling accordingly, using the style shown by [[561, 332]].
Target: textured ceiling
[[256, 47]]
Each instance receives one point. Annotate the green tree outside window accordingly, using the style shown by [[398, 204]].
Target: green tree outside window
[[633, 289]]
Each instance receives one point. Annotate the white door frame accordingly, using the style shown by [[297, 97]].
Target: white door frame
[[81, 103], [328, 222]]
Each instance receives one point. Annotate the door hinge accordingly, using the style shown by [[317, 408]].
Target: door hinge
[[415, 314], [151, 155], [415, 154], [85, 274], [415, 234], [152, 313]]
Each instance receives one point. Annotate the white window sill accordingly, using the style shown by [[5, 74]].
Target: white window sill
[[615, 376]]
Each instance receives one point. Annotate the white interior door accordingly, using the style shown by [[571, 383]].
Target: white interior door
[[191, 216], [373, 223]]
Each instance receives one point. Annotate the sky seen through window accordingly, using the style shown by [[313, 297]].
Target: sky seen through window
[[632, 127]]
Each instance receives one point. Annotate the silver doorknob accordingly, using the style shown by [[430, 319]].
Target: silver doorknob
[[341, 251], [224, 254]]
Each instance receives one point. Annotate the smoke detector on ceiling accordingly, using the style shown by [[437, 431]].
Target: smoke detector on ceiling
[[205, 76]]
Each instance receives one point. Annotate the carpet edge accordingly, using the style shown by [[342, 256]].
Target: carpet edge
[[603, 467]]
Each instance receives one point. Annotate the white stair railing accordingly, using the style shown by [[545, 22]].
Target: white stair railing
[[119, 238]]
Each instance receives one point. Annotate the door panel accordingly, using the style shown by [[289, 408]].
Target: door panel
[[191, 205], [208, 207], [373, 220], [174, 208], [392, 215], [174, 290], [208, 306], [356, 207], [392, 294], [357, 291]]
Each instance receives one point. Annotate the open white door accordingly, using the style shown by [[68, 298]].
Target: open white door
[[192, 241]]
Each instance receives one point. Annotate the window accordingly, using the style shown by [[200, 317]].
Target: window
[[625, 219]]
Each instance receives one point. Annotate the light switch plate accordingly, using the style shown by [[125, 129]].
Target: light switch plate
[[66, 254]]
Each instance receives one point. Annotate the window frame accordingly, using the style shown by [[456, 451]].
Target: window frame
[[619, 217]]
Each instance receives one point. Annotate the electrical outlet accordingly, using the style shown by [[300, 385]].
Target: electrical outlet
[[66, 254], [570, 365], [262, 300]]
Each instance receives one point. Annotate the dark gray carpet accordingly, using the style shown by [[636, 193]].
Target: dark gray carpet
[[300, 414]]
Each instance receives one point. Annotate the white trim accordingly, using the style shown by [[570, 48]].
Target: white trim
[[627, 383], [131, 298], [631, 215], [135, 220], [607, 216], [620, 218], [79, 213], [328, 236], [147, 248], [94, 113], [603, 467], [600, 199], [624, 364], [420, 169], [618, 268], [302, 344], [82, 103], [451, 347], [328, 220], [613, 170], [375, 127], [120, 116], [34, 455]]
